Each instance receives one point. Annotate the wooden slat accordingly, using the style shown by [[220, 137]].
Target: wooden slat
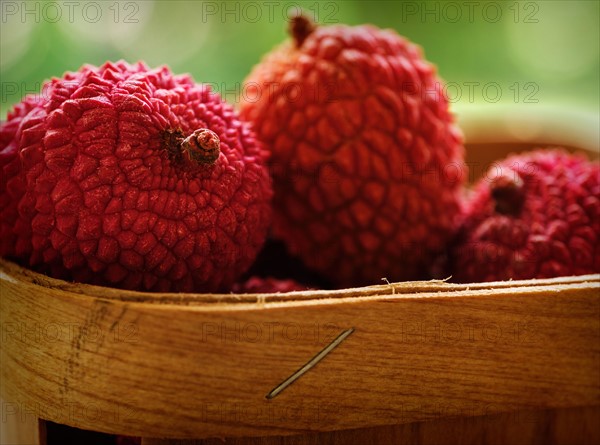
[[203, 370], [19, 425], [575, 426]]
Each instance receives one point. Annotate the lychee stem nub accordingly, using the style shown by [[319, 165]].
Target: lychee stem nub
[[300, 28], [508, 194], [201, 147]]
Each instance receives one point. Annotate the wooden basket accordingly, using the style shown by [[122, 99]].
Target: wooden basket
[[413, 362]]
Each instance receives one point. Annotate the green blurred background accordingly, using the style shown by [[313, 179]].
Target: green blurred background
[[544, 53]]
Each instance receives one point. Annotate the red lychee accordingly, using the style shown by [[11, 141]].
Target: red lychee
[[366, 160], [274, 260], [135, 178], [533, 215], [257, 285]]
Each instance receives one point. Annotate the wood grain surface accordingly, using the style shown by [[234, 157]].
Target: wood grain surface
[[18, 426], [565, 426], [200, 366]]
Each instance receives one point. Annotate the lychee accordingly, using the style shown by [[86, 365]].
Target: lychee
[[533, 215], [256, 285], [366, 159], [275, 261], [135, 178]]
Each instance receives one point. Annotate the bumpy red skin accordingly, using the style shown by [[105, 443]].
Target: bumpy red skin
[[367, 163], [11, 132], [556, 233], [259, 285], [92, 192]]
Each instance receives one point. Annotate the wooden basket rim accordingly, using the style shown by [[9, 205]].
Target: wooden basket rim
[[397, 290]]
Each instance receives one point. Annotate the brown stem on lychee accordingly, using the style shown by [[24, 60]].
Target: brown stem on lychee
[[202, 147], [508, 194], [300, 28]]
